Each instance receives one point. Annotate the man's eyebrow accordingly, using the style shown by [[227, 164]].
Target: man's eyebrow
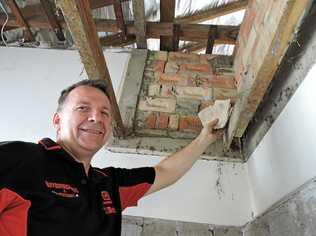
[[106, 108], [84, 102]]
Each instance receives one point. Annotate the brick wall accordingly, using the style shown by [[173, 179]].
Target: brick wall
[[256, 33], [175, 87]]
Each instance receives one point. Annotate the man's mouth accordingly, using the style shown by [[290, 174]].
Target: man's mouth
[[92, 131]]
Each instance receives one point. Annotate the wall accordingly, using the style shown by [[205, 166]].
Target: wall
[[285, 158], [30, 82], [139, 226], [296, 216]]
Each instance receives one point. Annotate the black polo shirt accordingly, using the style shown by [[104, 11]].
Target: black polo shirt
[[44, 191]]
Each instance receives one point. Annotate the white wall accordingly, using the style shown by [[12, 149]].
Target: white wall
[[286, 157], [30, 82]]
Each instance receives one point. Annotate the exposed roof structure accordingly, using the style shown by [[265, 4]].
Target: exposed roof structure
[[254, 34], [45, 27]]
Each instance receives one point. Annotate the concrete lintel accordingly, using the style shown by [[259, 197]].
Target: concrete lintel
[[158, 146], [131, 87]]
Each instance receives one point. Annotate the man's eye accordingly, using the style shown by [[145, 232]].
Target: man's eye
[[105, 113], [82, 108]]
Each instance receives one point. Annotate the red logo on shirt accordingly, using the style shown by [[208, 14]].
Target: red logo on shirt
[[107, 203], [63, 190]]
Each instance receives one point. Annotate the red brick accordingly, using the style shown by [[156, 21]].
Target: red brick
[[205, 58], [173, 122], [197, 67], [162, 121], [150, 122], [190, 124], [218, 81], [170, 78], [159, 66], [167, 90], [179, 56], [161, 55]]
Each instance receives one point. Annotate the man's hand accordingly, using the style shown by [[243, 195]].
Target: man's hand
[[208, 135]]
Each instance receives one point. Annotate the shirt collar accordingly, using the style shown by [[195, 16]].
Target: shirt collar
[[54, 147], [49, 144]]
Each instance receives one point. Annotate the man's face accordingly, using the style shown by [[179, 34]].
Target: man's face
[[84, 123]]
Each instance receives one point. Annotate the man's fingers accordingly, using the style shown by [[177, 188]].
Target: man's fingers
[[213, 123]]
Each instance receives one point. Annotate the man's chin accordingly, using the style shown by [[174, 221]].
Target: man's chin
[[91, 147]]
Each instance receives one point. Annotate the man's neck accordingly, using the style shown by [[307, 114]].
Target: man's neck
[[85, 159]]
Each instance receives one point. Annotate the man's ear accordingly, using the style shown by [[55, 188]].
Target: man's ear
[[56, 121]]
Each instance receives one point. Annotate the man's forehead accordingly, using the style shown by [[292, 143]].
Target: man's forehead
[[88, 94]]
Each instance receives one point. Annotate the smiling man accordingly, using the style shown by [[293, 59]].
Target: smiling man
[[50, 188]]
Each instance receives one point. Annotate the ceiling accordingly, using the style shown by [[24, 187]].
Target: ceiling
[[230, 27]]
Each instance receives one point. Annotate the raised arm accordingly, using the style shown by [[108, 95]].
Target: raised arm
[[173, 167]]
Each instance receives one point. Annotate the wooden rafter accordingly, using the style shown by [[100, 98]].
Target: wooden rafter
[[20, 19], [188, 32], [119, 17], [211, 39], [167, 13], [212, 13], [176, 37], [78, 16], [192, 47], [262, 61], [52, 19], [102, 3], [117, 40], [140, 23]]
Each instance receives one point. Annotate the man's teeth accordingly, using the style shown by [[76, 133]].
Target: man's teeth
[[93, 131]]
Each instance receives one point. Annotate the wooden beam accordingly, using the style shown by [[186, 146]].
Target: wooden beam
[[176, 37], [192, 32], [193, 47], [226, 34], [116, 40], [167, 12], [262, 60], [140, 23], [102, 3], [78, 16], [52, 19], [28, 36], [211, 39], [212, 13], [119, 17]]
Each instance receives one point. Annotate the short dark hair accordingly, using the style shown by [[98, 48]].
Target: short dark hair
[[99, 84]]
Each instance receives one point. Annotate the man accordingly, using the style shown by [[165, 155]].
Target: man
[[50, 188]]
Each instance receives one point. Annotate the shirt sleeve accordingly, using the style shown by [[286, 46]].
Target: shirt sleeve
[[133, 184], [12, 154]]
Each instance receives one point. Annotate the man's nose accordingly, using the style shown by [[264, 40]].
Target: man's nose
[[95, 116]]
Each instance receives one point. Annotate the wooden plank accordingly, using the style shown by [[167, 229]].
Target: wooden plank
[[193, 47], [176, 37], [211, 39], [167, 13], [117, 40], [102, 3], [80, 22], [119, 17], [28, 35], [212, 13], [226, 34], [52, 19], [273, 41], [140, 23]]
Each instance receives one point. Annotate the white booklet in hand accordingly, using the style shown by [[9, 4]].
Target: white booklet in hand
[[220, 110]]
